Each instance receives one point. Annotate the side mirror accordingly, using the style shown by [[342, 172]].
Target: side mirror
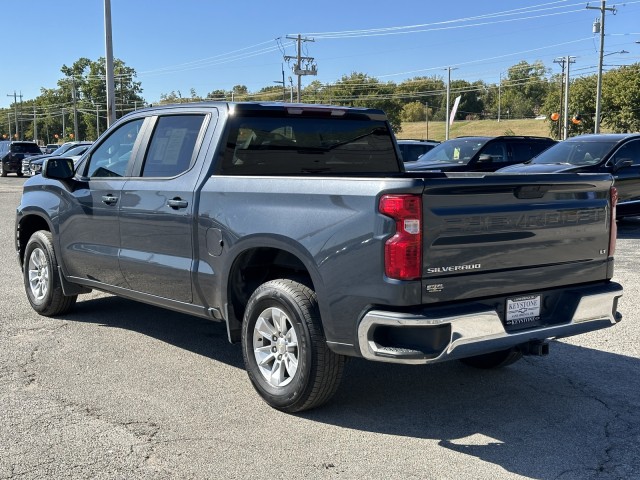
[[622, 163], [58, 168], [485, 158]]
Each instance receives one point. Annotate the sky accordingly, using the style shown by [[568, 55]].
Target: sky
[[209, 45]]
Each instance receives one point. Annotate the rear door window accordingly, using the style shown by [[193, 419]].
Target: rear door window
[[629, 150], [172, 149]]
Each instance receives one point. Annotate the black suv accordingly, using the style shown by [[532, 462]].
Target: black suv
[[617, 154], [412, 149], [480, 154], [12, 154]]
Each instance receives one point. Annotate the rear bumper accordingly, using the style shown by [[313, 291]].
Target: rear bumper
[[468, 330]]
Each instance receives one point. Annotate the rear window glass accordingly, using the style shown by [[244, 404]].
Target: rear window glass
[[25, 148], [301, 145]]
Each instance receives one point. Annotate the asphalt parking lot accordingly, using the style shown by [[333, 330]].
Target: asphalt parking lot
[[117, 389]]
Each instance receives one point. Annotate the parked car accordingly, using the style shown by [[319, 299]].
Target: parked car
[[58, 152], [50, 148], [35, 166], [412, 149], [480, 154], [617, 154], [12, 155]]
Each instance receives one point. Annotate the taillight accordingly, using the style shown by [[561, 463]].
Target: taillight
[[403, 251], [613, 231]]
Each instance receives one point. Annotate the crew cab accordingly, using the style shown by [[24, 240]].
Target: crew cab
[[298, 228]]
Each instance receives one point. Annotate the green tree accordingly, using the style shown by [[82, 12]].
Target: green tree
[[621, 99], [525, 89], [414, 112], [361, 90]]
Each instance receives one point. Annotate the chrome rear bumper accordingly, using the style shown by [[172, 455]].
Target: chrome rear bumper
[[447, 337]]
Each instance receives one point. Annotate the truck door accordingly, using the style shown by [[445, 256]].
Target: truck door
[[157, 208], [90, 234]]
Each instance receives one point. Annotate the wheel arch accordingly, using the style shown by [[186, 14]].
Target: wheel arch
[[257, 261], [27, 225]]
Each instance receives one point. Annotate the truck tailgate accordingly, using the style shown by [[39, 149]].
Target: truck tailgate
[[514, 233]]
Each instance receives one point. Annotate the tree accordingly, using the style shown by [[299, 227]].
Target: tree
[[414, 112], [361, 90], [525, 89], [621, 99], [85, 80]]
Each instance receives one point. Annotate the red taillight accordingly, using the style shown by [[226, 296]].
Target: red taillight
[[613, 231], [403, 251]]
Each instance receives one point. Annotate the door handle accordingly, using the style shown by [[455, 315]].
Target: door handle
[[177, 203], [109, 199]]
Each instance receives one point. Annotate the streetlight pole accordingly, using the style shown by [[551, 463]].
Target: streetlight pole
[[499, 96], [108, 42], [426, 108]]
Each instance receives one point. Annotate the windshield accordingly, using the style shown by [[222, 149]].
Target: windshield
[[25, 148], [62, 148], [459, 150], [575, 152], [79, 150]]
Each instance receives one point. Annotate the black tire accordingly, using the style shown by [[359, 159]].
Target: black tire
[[297, 370], [19, 173], [41, 280], [491, 360]]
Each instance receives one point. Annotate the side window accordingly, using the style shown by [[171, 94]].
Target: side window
[[629, 150], [496, 150], [172, 145], [111, 158]]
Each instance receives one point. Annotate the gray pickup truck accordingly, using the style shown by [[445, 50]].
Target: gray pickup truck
[[297, 226]]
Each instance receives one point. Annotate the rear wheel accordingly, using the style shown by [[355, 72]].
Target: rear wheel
[[284, 348], [41, 281], [498, 359], [3, 172]]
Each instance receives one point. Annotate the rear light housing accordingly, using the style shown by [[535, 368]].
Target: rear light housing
[[403, 251], [613, 230]]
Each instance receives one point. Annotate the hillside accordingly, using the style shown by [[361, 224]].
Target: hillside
[[538, 128]]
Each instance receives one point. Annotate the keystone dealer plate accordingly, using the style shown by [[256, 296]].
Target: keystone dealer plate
[[522, 310]]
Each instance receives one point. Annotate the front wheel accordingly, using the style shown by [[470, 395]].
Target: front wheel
[[284, 348], [41, 281]]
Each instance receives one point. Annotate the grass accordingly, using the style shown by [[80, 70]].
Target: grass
[[539, 128]]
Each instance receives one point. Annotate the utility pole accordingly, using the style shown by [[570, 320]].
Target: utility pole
[[297, 68], [15, 107], [284, 87], [426, 107], [569, 60], [35, 125], [63, 125], [108, 41], [598, 26], [561, 61], [499, 96], [75, 109]]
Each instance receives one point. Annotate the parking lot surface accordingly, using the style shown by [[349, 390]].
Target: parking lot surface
[[118, 389]]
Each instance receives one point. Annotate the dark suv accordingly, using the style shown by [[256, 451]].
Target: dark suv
[[617, 154], [480, 154], [12, 154], [412, 149]]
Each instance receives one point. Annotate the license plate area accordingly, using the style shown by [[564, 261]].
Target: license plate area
[[522, 312]]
